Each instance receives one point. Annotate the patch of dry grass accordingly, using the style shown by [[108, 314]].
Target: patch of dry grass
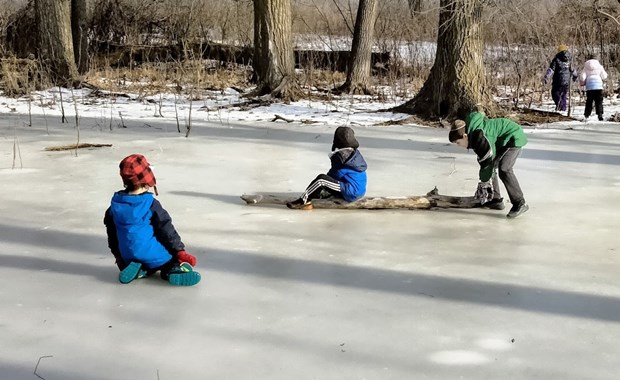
[[21, 76], [150, 79]]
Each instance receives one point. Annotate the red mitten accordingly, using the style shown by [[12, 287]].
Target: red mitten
[[185, 257]]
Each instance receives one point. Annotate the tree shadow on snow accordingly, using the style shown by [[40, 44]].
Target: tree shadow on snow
[[40, 264], [58, 240], [322, 138], [510, 296], [578, 157], [224, 198], [236, 199]]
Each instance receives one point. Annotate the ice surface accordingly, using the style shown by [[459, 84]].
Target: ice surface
[[316, 294]]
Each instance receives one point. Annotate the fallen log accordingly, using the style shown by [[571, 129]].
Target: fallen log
[[75, 146], [429, 201], [335, 60], [338, 60], [278, 117]]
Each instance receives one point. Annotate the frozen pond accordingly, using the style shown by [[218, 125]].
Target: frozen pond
[[319, 294]]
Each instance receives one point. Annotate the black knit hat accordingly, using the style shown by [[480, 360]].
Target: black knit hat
[[344, 137]]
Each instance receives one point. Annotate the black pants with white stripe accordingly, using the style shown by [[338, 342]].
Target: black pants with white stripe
[[321, 186]]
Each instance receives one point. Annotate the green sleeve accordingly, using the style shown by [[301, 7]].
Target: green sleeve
[[486, 172]]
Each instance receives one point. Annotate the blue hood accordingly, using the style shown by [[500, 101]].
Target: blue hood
[[353, 161], [131, 209]]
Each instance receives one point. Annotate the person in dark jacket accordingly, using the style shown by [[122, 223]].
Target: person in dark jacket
[[347, 177], [140, 232], [497, 143], [561, 72]]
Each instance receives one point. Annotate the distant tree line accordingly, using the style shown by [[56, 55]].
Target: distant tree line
[[65, 36]]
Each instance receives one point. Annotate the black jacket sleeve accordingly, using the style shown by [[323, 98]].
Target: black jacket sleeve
[[481, 146], [108, 220], [554, 65], [165, 232]]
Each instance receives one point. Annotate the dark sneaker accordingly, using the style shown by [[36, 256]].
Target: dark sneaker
[[297, 203], [131, 272], [183, 275], [517, 210], [600, 118], [495, 204]]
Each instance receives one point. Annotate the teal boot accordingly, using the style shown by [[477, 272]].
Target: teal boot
[[183, 275], [131, 272]]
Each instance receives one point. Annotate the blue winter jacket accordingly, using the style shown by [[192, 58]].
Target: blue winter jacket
[[351, 173], [139, 229]]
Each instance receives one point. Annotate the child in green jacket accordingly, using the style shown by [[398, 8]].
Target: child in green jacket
[[497, 143]]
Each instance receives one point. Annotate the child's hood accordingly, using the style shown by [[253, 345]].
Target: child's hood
[[563, 56], [356, 162], [592, 65], [130, 209], [474, 120]]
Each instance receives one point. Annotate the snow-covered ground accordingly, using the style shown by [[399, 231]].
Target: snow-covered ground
[[165, 109], [322, 294]]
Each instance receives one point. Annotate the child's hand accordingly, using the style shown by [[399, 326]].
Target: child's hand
[[185, 257]]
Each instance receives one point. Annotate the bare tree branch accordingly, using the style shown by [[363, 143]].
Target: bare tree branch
[[608, 15], [344, 17]]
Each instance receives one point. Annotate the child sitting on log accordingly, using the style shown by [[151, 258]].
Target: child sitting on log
[[347, 177]]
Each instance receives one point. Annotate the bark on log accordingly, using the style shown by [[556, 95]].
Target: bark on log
[[429, 201], [376, 203]]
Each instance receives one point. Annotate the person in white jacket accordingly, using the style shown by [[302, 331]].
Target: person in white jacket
[[592, 77]]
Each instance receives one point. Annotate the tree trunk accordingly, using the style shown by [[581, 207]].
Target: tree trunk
[[274, 63], [415, 7], [456, 84], [79, 34], [358, 72], [430, 201], [258, 70], [54, 17]]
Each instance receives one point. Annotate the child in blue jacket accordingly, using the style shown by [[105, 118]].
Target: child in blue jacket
[[140, 232], [347, 177]]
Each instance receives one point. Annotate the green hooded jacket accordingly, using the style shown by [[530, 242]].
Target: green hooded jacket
[[496, 134]]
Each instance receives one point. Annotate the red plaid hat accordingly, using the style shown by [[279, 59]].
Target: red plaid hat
[[135, 171]]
